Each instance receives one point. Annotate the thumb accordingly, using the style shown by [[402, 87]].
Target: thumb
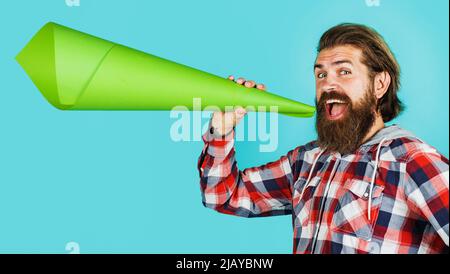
[[239, 113]]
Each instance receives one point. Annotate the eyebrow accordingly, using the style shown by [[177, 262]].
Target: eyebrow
[[339, 62]]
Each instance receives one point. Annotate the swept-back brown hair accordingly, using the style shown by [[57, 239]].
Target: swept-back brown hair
[[376, 55]]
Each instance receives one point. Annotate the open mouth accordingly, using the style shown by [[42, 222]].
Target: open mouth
[[336, 109]]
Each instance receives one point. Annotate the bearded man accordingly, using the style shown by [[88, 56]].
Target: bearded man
[[362, 186]]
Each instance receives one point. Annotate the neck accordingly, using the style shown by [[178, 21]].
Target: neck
[[377, 125]]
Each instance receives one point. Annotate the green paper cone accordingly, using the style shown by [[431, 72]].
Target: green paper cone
[[77, 71]]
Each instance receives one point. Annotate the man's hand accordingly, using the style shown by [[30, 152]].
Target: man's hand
[[224, 122]]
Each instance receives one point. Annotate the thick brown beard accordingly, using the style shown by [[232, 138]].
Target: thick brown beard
[[346, 134]]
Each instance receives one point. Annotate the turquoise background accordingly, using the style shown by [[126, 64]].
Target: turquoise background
[[115, 182]]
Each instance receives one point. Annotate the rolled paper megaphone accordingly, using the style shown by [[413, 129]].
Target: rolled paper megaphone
[[77, 71]]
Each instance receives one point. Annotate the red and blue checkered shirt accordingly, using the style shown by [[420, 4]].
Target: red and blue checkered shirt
[[331, 196]]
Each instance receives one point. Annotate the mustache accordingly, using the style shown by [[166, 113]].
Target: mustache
[[332, 95]]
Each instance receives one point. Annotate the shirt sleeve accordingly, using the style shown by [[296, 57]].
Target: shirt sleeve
[[427, 189], [253, 192]]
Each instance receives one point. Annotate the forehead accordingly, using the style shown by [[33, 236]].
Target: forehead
[[338, 53]]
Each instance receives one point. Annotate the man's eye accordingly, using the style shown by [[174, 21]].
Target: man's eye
[[321, 75], [344, 72]]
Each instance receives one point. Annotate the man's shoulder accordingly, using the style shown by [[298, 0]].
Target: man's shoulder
[[310, 146], [406, 148], [306, 151]]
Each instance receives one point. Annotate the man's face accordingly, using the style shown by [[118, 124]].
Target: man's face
[[340, 70], [345, 99]]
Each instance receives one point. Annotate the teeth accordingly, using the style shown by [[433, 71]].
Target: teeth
[[332, 101]]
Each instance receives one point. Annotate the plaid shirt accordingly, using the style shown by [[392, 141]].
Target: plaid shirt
[[328, 194]]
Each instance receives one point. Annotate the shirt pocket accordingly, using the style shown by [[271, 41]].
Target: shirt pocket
[[302, 200], [351, 215]]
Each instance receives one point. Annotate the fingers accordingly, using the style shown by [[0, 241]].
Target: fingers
[[247, 83], [250, 84], [261, 87], [240, 80]]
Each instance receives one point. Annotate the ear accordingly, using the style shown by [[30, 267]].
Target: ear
[[381, 83]]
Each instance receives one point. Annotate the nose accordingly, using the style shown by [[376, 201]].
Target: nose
[[329, 84]]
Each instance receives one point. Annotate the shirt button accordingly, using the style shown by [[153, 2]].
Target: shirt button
[[366, 195]]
